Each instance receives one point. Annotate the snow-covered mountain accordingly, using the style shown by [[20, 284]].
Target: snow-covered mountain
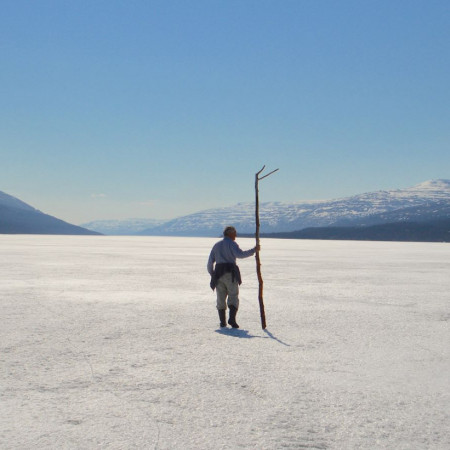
[[122, 227], [279, 217], [17, 217], [421, 203]]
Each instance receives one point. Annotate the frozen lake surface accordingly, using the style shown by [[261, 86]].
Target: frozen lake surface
[[114, 343]]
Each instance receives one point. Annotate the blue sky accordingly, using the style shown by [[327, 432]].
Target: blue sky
[[156, 109]]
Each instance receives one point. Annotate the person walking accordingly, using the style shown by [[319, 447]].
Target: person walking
[[225, 274]]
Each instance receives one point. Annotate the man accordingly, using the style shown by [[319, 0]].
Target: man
[[225, 276]]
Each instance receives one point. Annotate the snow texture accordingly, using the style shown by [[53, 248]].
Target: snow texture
[[113, 343]]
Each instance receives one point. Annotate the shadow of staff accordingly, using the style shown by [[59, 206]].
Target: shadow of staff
[[271, 336]]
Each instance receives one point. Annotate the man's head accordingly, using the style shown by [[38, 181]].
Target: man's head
[[230, 232]]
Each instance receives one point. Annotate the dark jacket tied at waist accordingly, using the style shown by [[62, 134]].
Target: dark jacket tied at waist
[[222, 269]]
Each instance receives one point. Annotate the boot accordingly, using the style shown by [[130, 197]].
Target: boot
[[232, 319], [223, 317]]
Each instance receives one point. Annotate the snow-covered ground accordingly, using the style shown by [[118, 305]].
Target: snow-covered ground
[[113, 342]]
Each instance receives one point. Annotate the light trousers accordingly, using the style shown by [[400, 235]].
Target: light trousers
[[227, 291]]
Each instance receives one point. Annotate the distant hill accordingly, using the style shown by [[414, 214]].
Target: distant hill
[[121, 227], [17, 217], [434, 231], [423, 202]]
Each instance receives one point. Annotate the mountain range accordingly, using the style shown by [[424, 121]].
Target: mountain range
[[424, 202], [425, 208], [124, 227], [17, 217]]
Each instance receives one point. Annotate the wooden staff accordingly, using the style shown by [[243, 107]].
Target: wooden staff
[[257, 257]]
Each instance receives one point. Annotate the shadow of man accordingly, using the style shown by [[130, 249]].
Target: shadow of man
[[245, 334]]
